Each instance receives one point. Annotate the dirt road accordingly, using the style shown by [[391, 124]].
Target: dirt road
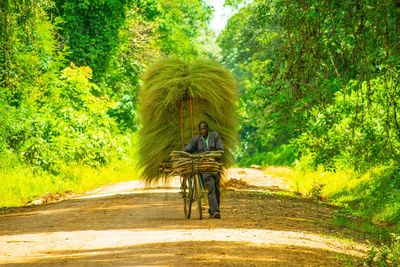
[[122, 225]]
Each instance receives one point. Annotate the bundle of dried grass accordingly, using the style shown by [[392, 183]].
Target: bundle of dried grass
[[173, 90], [181, 163]]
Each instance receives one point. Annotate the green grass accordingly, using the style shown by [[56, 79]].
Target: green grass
[[316, 184], [21, 184]]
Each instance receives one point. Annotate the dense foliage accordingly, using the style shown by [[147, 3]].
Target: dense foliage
[[324, 76], [69, 74], [320, 87], [91, 30]]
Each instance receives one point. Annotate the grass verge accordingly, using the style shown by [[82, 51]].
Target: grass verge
[[22, 184]]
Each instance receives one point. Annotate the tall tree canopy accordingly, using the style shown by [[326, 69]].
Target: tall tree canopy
[[318, 74], [91, 30], [28, 49]]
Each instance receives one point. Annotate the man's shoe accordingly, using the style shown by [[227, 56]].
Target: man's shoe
[[216, 215]]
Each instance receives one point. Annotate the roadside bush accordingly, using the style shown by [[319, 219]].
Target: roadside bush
[[124, 113], [63, 124], [376, 196], [284, 155], [352, 131], [385, 255], [12, 127]]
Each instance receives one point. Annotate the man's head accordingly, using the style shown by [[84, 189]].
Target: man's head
[[203, 128]]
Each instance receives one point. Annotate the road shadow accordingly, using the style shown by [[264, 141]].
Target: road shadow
[[240, 208], [193, 254], [120, 218]]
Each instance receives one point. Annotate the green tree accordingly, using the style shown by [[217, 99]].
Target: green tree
[[180, 24], [91, 28], [310, 52], [28, 47]]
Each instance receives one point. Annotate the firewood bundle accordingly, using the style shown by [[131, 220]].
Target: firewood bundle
[[181, 163]]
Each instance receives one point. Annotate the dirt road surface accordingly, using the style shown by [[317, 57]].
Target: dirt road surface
[[129, 225]]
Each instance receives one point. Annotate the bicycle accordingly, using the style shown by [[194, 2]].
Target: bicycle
[[192, 191], [189, 167]]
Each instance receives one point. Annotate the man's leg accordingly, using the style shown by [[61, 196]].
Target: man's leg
[[217, 181], [209, 182]]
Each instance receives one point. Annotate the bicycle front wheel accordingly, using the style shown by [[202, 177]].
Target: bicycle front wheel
[[198, 194], [187, 196]]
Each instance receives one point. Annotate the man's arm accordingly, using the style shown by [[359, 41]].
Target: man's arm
[[191, 147]]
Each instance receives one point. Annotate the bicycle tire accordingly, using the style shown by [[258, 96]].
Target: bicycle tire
[[198, 195], [187, 195]]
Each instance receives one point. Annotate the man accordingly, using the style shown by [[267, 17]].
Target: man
[[208, 141]]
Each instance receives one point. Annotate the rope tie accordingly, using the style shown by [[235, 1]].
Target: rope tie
[[191, 116], [181, 123]]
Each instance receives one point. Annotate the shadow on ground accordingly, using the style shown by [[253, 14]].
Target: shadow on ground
[[164, 211], [34, 236], [188, 254]]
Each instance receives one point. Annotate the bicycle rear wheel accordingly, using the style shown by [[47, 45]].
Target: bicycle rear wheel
[[187, 195]]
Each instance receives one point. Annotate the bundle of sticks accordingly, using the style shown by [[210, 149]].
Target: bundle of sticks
[[181, 163]]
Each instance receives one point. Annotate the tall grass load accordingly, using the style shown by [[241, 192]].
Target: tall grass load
[[173, 90]]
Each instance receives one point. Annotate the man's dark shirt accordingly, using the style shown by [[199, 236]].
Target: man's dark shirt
[[197, 143]]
